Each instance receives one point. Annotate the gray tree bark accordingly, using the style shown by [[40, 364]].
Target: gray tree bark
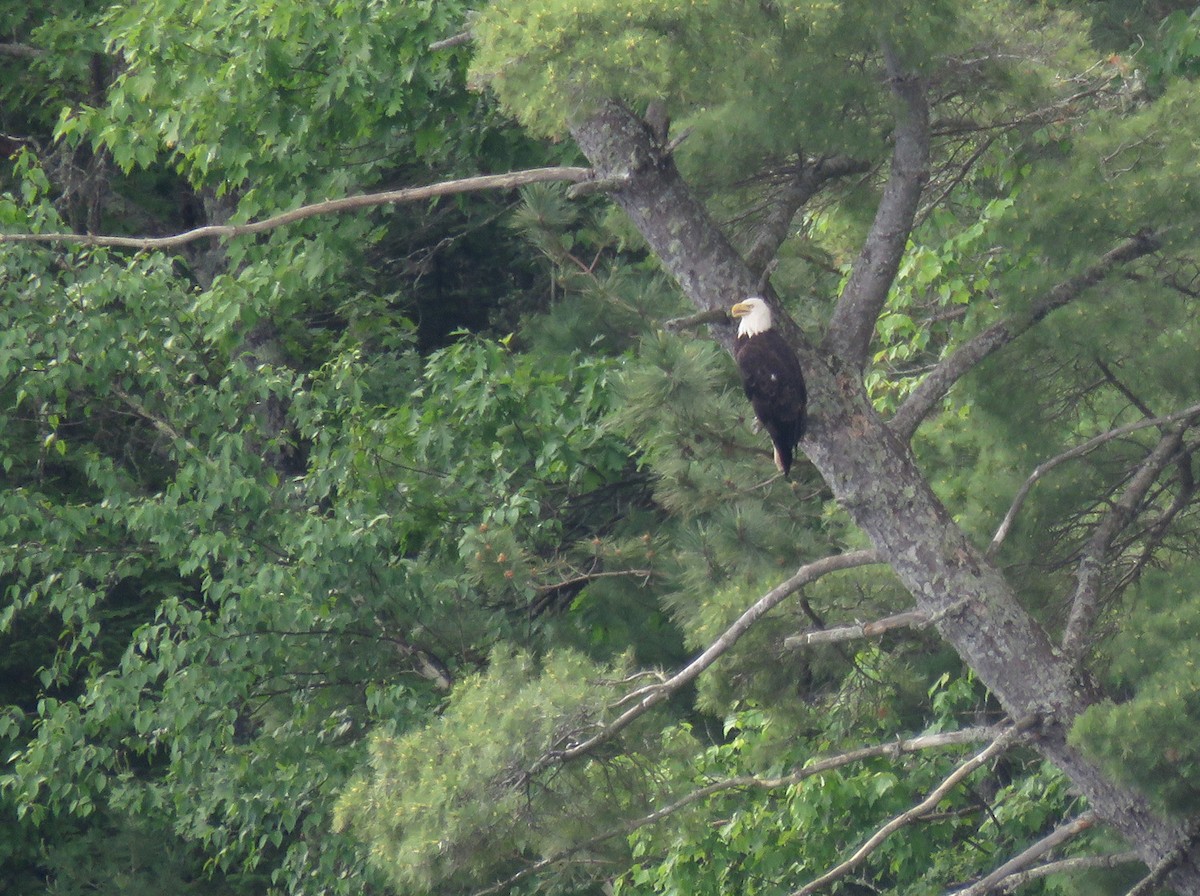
[[871, 469]]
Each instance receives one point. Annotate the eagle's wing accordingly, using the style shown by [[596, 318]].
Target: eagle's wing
[[774, 384]]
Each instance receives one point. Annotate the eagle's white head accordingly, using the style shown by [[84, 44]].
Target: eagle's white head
[[755, 314]]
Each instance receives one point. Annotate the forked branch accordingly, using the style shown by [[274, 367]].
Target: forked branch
[[782, 207], [999, 745], [1027, 857], [1078, 451]]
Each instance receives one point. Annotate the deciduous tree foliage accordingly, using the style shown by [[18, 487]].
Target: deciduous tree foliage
[[428, 547]]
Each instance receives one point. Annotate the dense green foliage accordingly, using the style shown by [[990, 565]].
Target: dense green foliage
[[318, 546]]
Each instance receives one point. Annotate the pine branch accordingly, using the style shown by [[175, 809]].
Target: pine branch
[[923, 399], [1086, 599], [1023, 860], [1078, 451], [328, 207], [997, 746], [853, 322]]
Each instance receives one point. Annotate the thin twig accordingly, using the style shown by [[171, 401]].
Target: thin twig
[[328, 207], [999, 745], [584, 578]]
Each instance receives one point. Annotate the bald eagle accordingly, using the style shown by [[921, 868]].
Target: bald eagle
[[772, 378]]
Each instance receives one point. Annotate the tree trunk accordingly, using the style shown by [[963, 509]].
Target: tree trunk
[[873, 475]]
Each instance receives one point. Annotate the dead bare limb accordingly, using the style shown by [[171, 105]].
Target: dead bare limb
[[911, 619], [456, 40], [1066, 866], [328, 207], [20, 51], [1023, 860]]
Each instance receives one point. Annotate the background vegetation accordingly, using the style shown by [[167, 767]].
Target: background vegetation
[[330, 554]]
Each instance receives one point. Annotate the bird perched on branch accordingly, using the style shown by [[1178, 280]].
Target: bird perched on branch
[[771, 377]]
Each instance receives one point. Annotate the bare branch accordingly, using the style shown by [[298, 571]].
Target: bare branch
[[962, 360], [597, 185], [1022, 861], [748, 782], [20, 51], [963, 170], [699, 319], [158, 422], [999, 745], [1067, 866], [457, 40], [1078, 451], [1086, 599], [651, 696], [912, 619], [853, 320], [584, 578], [328, 207]]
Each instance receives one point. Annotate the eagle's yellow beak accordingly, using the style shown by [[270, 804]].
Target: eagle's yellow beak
[[741, 309]]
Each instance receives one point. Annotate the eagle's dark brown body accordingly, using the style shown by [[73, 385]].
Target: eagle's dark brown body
[[774, 384]]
